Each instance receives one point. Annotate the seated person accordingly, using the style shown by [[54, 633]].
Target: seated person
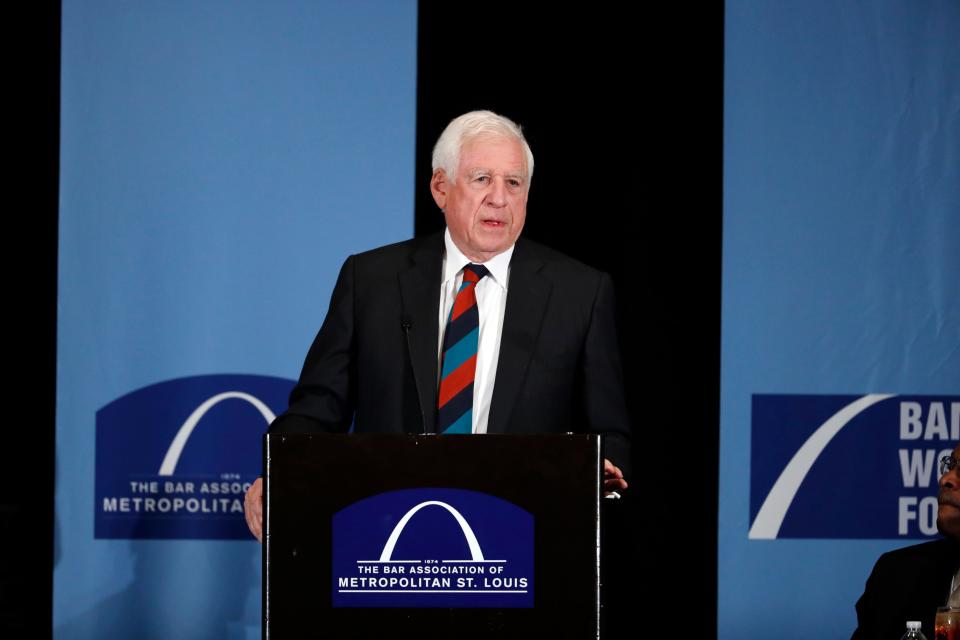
[[910, 583]]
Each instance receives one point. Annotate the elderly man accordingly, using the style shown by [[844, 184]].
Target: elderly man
[[910, 583], [475, 330]]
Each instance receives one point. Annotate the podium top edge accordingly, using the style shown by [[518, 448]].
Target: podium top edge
[[429, 436]]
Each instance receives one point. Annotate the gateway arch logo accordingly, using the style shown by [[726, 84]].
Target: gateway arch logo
[[834, 466], [433, 548], [476, 554], [174, 459]]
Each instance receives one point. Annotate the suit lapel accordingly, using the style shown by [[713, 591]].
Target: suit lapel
[[527, 298], [420, 294], [944, 566]]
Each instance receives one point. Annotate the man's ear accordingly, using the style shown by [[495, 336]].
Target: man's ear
[[439, 185]]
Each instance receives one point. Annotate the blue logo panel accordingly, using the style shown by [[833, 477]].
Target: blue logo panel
[[433, 548], [826, 466], [174, 459]]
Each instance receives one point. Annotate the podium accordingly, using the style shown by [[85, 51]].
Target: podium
[[403, 536]]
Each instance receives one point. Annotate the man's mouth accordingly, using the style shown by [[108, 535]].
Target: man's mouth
[[952, 499], [494, 223]]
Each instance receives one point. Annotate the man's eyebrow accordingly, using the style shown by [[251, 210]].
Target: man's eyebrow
[[509, 174], [476, 171]]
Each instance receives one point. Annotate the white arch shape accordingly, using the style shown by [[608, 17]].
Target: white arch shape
[[476, 554], [179, 441], [766, 526]]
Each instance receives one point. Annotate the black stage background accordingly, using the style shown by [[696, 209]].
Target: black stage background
[[623, 108], [32, 89]]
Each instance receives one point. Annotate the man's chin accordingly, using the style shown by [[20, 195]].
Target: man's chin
[[948, 522]]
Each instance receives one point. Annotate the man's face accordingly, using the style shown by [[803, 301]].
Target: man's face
[[948, 516], [486, 208]]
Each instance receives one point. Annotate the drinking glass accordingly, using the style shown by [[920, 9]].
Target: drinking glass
[[947, 624]]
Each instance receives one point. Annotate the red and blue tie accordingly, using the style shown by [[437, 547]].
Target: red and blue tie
[[459, 363]]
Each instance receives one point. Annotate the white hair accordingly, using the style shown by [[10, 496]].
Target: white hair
[[471, 126]]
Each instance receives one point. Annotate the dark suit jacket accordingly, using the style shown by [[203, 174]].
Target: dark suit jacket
[[559, 367], [906, 584]]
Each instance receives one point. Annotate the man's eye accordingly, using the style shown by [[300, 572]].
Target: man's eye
[[482, 179], [513, 183]]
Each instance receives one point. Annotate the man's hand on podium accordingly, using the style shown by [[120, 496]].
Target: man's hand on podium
[[253, 508], [612, 479]]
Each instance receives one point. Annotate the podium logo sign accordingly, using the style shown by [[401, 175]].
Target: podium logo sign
[[174, 459], [433, 548], [825, 466]]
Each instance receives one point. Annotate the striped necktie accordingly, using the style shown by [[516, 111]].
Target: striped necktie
[[459, 364]]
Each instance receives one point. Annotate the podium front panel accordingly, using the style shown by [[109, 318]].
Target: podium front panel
[[469, 536]]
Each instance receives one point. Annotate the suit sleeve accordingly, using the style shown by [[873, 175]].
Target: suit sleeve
[[603, 392], [325, 397], [906, 584], [888, 600]]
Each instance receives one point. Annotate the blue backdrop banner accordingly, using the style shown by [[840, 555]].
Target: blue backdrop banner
[[219, 161], [802, 449], [840, 375]]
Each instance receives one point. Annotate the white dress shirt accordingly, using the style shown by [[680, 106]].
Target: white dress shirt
[[491, 294]]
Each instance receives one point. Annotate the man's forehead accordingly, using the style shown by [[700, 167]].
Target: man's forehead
[[486, 154], [490, 144]]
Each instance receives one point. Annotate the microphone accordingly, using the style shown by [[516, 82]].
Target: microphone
[[406, 323]]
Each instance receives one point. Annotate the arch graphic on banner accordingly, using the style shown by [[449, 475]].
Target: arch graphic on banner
[[766, 526], [179, 441], [476, 554]]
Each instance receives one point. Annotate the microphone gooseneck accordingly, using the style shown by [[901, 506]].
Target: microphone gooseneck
[[407, 324]]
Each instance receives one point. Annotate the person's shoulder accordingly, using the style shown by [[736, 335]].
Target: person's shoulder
[[556, 264], [400, 252], [941, 549]]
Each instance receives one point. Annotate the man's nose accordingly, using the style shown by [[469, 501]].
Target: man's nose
[[951, 479], [497, 196]]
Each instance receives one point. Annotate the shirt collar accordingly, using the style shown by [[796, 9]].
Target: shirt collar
[[454, 261]]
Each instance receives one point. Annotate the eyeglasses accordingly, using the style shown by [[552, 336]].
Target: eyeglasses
[[947, 464]]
